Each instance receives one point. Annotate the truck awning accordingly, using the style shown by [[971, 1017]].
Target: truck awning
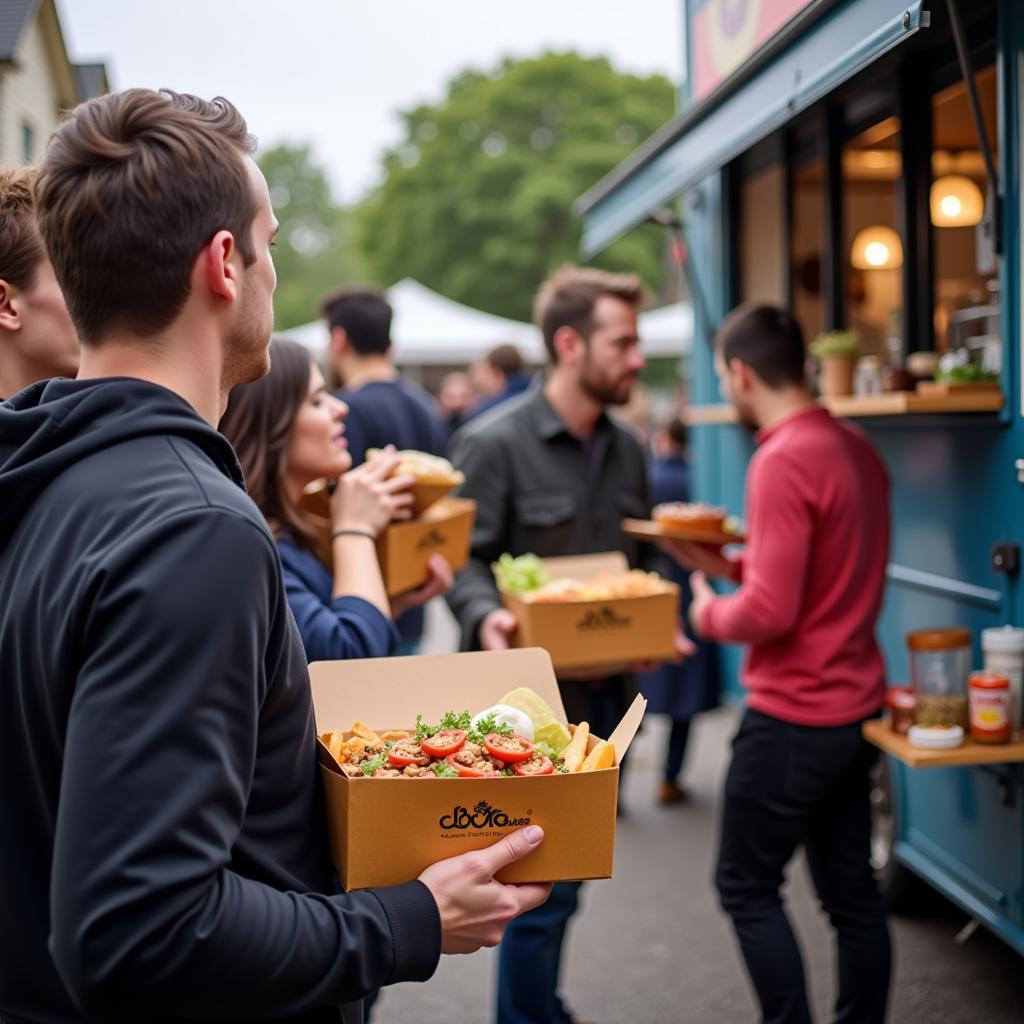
[[841, 44]]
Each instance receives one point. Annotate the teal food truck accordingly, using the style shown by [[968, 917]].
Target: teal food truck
[[859, 162]]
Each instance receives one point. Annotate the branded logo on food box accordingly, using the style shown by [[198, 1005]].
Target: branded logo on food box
[[482, 816], [602, 619], [432, 539]]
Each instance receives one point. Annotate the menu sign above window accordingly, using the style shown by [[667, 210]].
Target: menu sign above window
[[725, 33]]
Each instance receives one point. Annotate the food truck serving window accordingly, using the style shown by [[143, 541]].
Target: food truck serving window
[[840, 202]]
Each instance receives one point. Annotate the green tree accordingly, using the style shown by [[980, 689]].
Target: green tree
[[476, 201], [315, 248]]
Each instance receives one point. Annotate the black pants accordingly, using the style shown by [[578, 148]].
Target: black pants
[[790, 785]]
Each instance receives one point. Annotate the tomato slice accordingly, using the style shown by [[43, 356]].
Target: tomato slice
[[510, 749], [444, 742], [537, 765], [407, 752], [465, 772]]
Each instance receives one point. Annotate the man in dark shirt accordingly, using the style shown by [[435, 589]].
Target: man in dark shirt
[[552, 473], [383, 407], [163, 842], [499, 376]]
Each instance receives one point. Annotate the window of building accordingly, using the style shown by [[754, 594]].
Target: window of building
[[871, 249], [807, 245], [966, 273], [762, 233], [28, 143]]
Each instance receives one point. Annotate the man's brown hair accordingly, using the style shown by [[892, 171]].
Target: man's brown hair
[[568, 297], [767, 339], [134, 184], [21, 248]]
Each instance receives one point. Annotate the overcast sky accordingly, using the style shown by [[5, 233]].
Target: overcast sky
[[334, 72]]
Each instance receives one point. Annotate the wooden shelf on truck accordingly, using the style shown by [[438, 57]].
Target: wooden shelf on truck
[[877, 731], [893, 403]]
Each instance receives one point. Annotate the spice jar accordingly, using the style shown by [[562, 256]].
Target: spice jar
[[940, 661], [989, 694], [901, 703]]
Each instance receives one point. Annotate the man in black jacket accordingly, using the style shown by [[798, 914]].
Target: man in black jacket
[[163, 849]]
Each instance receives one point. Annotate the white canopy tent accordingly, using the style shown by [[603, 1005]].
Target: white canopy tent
[[430, 330]]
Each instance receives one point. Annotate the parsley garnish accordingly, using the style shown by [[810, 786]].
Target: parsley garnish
[[454, 721], [487, 725], [371, 764], [444, 770]]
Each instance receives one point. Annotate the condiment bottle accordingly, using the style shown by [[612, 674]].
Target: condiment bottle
[[901, 702], [1003, 647], [989, 695]]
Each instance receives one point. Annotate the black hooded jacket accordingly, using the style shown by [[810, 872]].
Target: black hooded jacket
[[163, 850]]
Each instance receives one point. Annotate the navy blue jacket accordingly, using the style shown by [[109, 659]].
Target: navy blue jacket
[[680, 691], [163, 848], [401, 413], [515, 384], [331, 628]]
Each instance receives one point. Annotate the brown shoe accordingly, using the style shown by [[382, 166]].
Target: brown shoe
[[671, 793]]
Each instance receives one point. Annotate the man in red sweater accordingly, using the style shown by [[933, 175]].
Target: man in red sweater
[[810, 590]]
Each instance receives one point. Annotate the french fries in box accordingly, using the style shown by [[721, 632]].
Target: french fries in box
[[387, 829]]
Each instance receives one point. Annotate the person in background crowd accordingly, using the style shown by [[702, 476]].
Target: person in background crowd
[[553, 474], [678, 691], [164, 843], [499, 376], [811, 583], [37, 338], [383, 407], [288, 432], [455, 400]]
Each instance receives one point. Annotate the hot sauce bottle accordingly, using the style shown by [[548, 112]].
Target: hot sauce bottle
[[989, 694]]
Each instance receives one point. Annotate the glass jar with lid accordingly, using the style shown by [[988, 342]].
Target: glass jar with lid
[[940, 663]]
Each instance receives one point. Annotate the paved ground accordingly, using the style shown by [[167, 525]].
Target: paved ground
[[652, 946]]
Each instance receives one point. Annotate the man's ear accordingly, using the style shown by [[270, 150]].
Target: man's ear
[[216, 268], [339, 343], [10, 314], [741, 375], [566, 342]]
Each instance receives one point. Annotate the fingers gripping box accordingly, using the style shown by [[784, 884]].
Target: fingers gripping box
[[404, 548], [386, 831]]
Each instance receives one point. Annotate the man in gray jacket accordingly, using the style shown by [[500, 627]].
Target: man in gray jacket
[[553, 474]]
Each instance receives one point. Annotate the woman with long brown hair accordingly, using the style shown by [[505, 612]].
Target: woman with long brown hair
[[288, 431]]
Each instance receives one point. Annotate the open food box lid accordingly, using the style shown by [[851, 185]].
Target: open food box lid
[[388, 693]]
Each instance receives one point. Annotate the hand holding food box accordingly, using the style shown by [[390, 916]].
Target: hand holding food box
[[589, 610], [487, 774]]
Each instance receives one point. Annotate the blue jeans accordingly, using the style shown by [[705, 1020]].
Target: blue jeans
[[529, 959]]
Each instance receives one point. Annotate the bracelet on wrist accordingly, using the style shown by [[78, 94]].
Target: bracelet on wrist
[[353, 533]]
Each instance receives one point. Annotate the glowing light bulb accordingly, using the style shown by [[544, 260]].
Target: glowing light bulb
[[877, 254], [951, 206]]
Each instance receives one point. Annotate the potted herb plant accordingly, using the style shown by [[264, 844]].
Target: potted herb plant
[[836, 351]]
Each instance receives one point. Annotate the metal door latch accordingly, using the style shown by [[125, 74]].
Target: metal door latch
[[1005, 558]]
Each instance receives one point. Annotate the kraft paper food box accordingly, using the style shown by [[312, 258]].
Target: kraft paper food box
[[445, 528], [387, 831], [404, 548], [585, 634]]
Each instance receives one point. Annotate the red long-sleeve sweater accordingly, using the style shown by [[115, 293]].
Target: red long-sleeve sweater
[[812, 575]]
